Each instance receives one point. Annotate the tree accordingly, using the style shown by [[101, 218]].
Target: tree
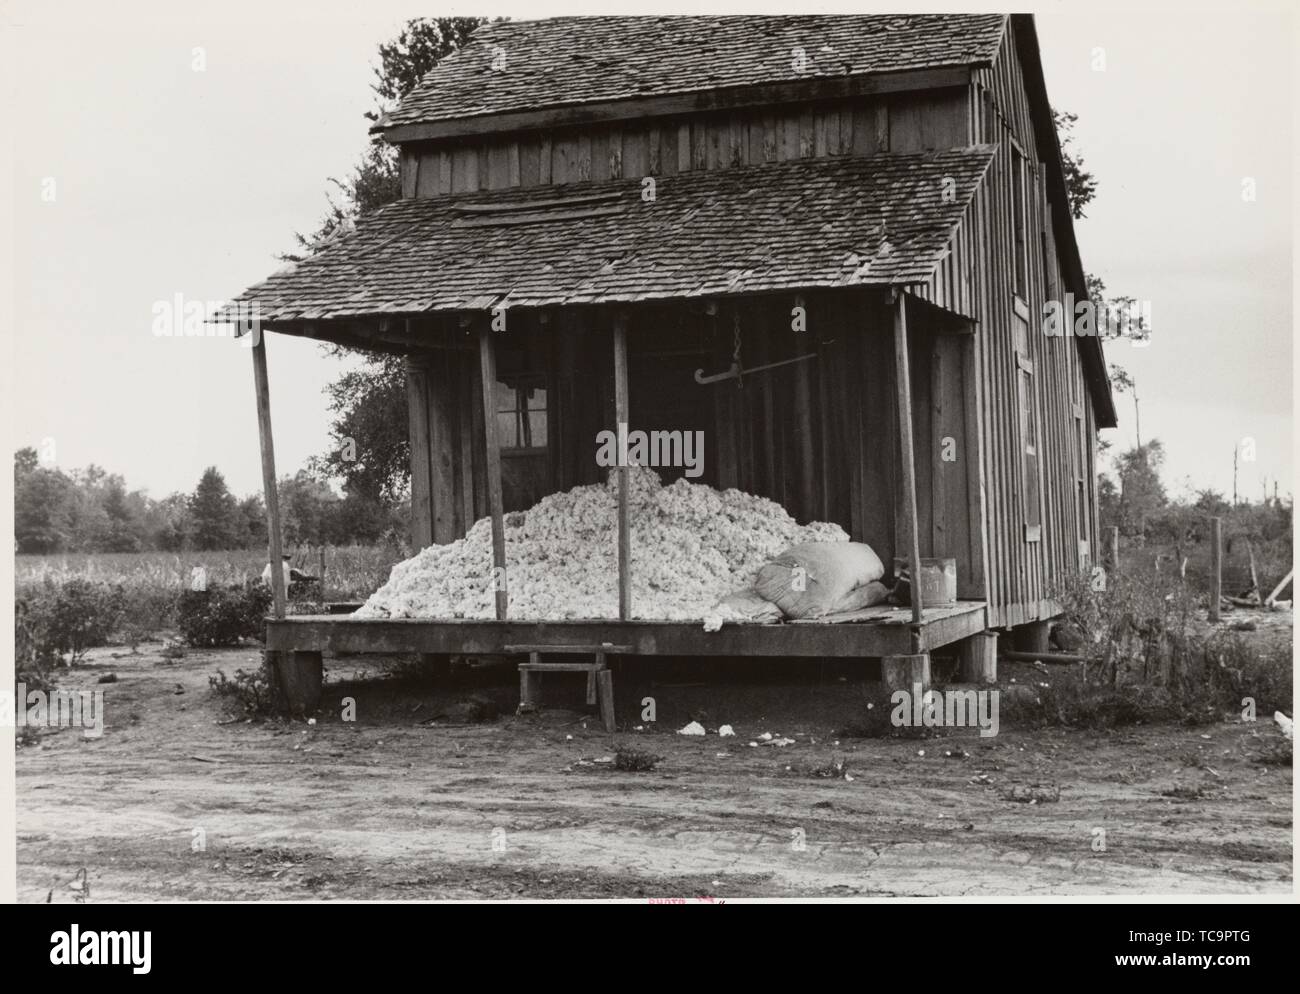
[[1080, 184], [43, 500], [1141, 492], [252, 511], [370, 450], [214, 513], [403, 62], [123, 529], [305, 508], [1122, 382], [169, 522]]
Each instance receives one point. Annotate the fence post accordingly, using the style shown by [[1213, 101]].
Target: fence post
[[1216, 566]]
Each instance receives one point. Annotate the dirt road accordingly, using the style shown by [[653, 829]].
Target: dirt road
[[171, 804]]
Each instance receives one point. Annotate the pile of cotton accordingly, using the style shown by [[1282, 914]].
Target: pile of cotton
[[691, 546]]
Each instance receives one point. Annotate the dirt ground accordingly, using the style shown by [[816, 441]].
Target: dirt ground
[[176, 801]]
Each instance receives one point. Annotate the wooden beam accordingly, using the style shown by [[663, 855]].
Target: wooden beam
[[902, 376], [417, 402], [345, 633], [487, 364], [1268, 601], [272, 495], [621, 427]]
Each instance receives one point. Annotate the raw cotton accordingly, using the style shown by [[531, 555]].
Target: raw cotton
[[691, 546]]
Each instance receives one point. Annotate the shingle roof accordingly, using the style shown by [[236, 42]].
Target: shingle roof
[[575, 60], [834, 222]]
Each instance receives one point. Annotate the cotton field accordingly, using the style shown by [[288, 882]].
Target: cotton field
[[691, 545]]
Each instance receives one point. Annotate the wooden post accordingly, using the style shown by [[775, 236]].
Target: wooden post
[[1033, 636], [904, 385], [1268, 601], [301, 677], [605, 684], [417, 401], [1254, 576], [906, 672], [487, 364], [621, 428], [1216, 566], [263, 388]]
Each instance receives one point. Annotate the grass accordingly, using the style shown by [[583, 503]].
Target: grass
[[152, 581]]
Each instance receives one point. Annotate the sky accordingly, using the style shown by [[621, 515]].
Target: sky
[[166, 149]]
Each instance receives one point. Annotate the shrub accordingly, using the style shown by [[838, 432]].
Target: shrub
[[633, 760], [33, 656], [147, 612], [223, 614], [248, 693], [70, 617]]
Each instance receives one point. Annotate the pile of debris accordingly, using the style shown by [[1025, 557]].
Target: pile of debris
[[691, 546]]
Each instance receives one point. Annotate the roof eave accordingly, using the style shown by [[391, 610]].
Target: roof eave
[[1049, 151]]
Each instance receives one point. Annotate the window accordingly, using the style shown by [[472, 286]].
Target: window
[[521, 414], [1019, 209], [1030, 485]]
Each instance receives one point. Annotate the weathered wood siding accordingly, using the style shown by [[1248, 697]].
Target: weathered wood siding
[[817, 436], [912, 122], [980, 281], [820, 437]]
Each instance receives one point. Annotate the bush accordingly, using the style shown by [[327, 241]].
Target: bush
[[33, 656], [1147, 661], [67, 618], [247, 693], [224, 614], [148, 611]]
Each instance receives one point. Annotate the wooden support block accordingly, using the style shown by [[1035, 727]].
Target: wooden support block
[[591, 677], [979, 658], [906, 672], [1032, 637], [300, 676], [529, 684], [605, 682]]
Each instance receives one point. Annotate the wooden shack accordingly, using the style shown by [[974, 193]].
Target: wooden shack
[[601, 216]]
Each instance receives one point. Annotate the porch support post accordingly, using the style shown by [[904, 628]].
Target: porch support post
[[487, 364], [272, 495], [417, 400], [621, 428], [904, 383]]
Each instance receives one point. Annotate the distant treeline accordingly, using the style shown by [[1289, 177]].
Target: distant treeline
[[91, 510]]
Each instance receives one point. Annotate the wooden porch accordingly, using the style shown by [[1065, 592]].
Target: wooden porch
[[870, 633]]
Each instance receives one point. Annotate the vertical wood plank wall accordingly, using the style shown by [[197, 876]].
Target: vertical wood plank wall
[[664, 147], [820, 438], [1022, 573]]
